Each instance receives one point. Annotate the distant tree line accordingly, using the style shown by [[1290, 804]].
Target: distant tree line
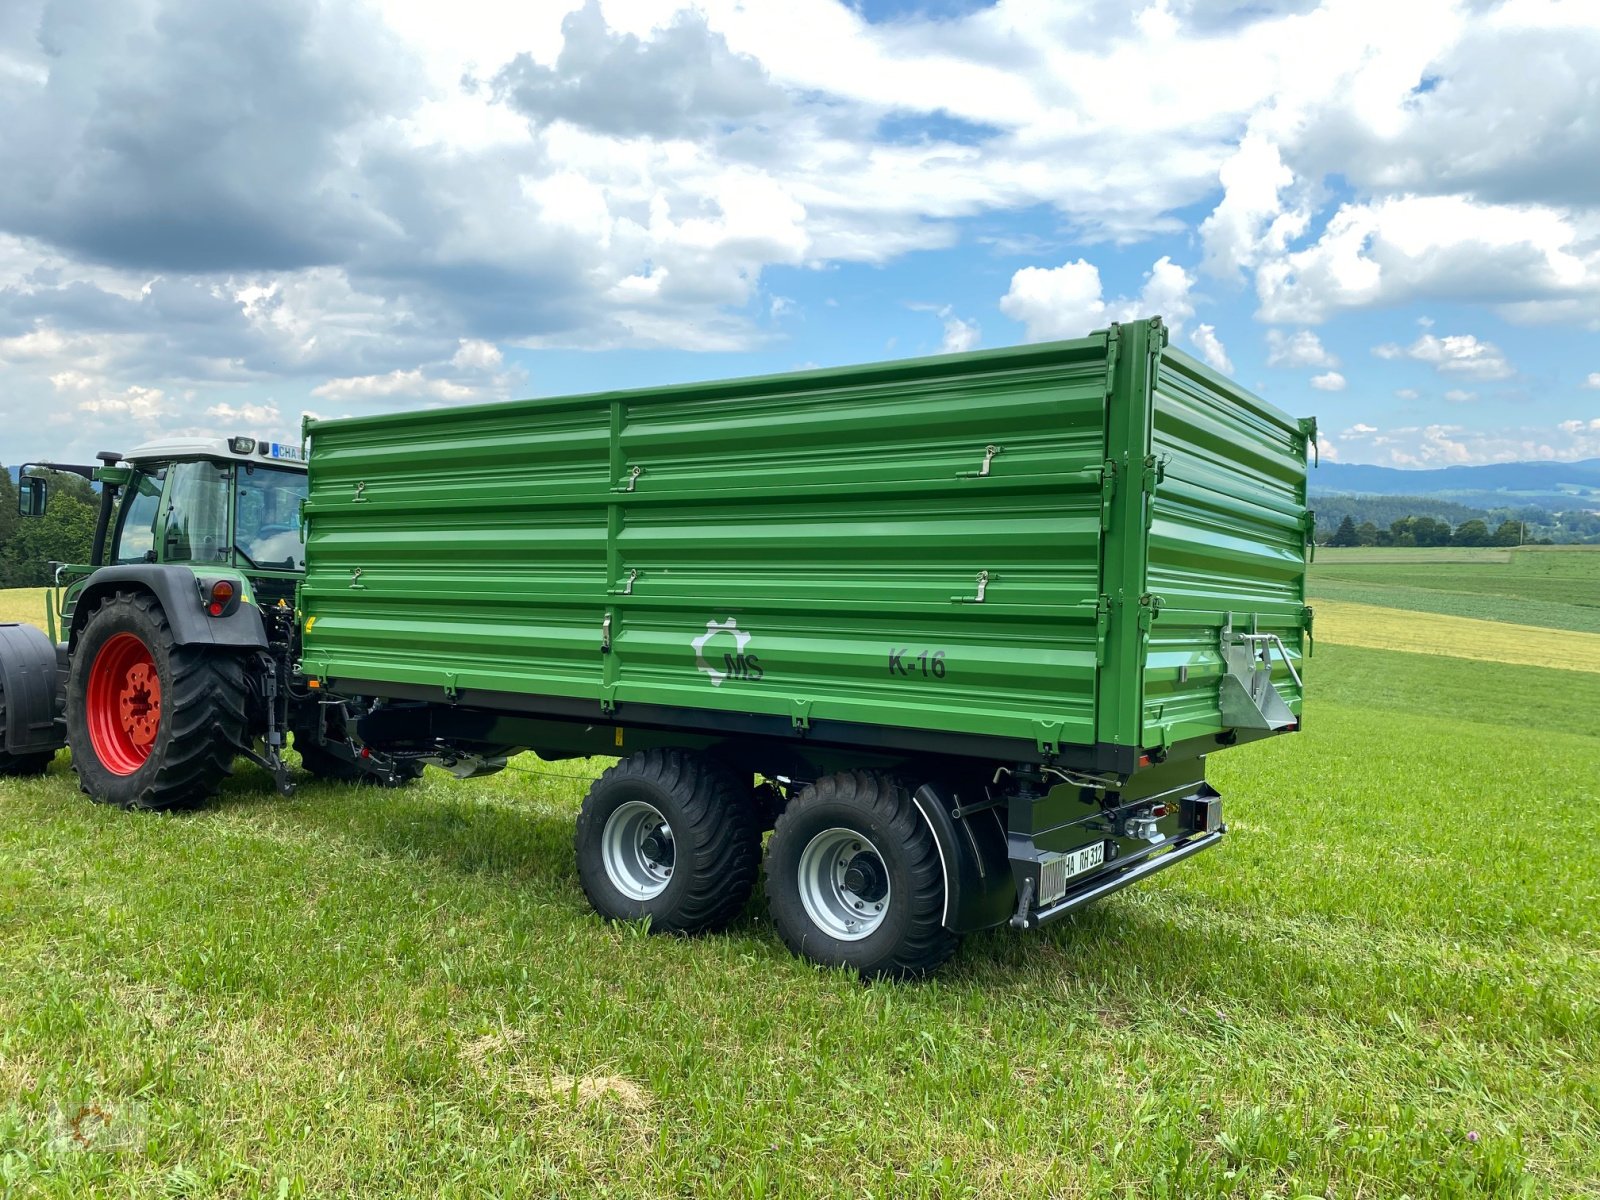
[[1419, 521], [1426, 531], [64, 534]]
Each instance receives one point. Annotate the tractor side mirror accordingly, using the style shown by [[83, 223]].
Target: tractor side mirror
[[33, 493]]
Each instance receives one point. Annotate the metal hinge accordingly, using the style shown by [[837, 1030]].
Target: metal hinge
[[1155, 472], [1108, 489], [633, 478], [633, 574], [800, 714], [1149, 607], [1308, 429], [1102, 628], [355, 578], [358, 498], [1308, 527], [605, 635]]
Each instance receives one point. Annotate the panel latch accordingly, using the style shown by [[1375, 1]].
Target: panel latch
[[989, 453], [983, 587]]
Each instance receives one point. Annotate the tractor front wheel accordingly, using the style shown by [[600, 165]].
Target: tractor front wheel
[[152, 725]]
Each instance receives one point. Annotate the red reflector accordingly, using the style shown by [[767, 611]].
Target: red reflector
[[1144, 760], [214, 609], [1159, 811]]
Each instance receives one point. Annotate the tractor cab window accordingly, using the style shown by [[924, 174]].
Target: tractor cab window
[[266, 529], [136, 541], [197, 513]]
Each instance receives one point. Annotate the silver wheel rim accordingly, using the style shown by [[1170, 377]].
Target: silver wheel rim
[[637, 850], [844, 884]]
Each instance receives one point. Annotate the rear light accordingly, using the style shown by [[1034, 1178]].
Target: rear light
[[222, 593], [1159, 811]]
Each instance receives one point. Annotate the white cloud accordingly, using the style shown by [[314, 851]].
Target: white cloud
[[1455, 354], [250, 414], [1359, 430], [1211, 349], [410, 384], [1066, 301], [1302, 348], [1407, 393], [477, 355], [1440, 444], [1329, 381], [1458, 396], [1403, 248], [959, 335], [1593, 381], [1249, 221]]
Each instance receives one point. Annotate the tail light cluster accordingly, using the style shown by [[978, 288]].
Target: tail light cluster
[[219, 597]]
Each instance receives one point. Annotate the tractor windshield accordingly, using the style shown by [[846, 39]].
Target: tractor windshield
[[266, 522]]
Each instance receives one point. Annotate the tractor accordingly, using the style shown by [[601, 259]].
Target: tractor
[[171, 652]]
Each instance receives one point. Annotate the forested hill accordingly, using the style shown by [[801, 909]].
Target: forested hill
[[1510, 480]]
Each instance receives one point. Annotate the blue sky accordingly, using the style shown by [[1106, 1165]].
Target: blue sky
[[217, 218]]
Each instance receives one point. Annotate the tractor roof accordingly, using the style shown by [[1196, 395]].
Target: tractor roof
[[237, 449]]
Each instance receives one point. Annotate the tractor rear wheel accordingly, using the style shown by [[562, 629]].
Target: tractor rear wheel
[[152, 725]]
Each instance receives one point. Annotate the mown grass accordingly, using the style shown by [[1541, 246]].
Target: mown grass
[[1385, 982], [1382, 628], [1553, 586]]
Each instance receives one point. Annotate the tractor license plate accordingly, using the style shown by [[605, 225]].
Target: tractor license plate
[[1054, 874]]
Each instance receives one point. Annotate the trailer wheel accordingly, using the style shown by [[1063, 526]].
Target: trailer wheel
[[152, 725], [854, 878], [668, 835]]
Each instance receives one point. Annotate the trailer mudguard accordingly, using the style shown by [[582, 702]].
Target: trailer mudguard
[[178, 590], [28, 692], [978, 889]]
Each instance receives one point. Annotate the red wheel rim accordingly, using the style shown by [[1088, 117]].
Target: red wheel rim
[[124, 704]]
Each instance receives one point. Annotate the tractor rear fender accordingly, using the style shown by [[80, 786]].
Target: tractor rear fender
[[979, 890], [28, 688], [179, 591]]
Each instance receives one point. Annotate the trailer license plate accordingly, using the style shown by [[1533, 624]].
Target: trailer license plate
[[1054, 874]]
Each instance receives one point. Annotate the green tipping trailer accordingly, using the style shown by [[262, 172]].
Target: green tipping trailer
[[962, 628]]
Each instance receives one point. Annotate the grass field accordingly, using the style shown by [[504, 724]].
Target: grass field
[[1557, 587], [1386, 982]]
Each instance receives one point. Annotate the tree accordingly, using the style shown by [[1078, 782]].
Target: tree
[[1367, 534], [8, 517], [1471, 533], [1345, 535], [1509, 533], [64, 534]]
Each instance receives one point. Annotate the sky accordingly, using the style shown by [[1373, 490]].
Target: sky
[[216, 217]]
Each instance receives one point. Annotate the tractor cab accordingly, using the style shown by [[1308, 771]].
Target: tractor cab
[[212, 503]]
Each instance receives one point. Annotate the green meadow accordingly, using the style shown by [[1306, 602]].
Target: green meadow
[[1385, 982]]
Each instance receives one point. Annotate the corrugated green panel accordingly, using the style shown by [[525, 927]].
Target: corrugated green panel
[[794, 546], [1227, 536]]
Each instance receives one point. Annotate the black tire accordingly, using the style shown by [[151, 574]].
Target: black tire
[[715, 847], [201, 718], [905, 876], [21, 766]]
